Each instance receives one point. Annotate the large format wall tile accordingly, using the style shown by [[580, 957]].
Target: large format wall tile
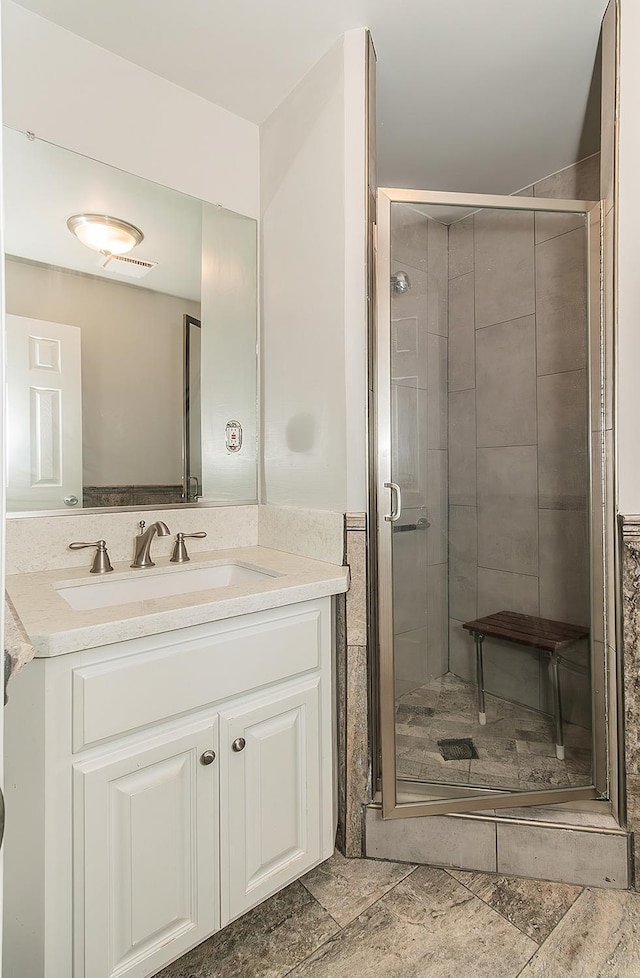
[[461, 333], [440, 840], [463, 562], [551, 224], [562, 440], [504, 266], [508, 509], [561, 312], [437, 621], [409, 242], [512, 671], [462, 656], [506, 383], [409, 577], [438, 278], [409, 331], [437, 533], [461, 247], [410, 660], [578, 182], [564, 566], [409, 407], [462, 448], [436, 391], [502, 591], [588, 858]]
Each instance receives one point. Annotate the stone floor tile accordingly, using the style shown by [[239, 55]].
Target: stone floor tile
[[532, 906], [266, 943], [346, 887], [599, 937], [428, 926], [516, 746]]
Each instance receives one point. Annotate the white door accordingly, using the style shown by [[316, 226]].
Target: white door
[[44, 415], [146, 853], [270, 797]]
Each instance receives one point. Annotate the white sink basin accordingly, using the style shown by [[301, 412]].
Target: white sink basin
[[146, 585]]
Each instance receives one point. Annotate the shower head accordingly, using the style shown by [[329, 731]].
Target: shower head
[[400, 283]]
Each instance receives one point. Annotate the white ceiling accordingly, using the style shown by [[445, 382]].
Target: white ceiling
[[481, 96]]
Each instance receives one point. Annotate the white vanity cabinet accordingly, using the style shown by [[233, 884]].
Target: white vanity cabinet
[[144, 829], [160, 787], [269, 784]]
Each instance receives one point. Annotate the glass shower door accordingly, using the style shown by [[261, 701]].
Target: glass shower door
[[486, 399]]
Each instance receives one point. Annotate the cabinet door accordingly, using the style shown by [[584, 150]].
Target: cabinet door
[[270, 794], [145, 853]]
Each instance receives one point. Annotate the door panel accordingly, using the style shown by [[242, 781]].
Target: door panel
[[146, 847], [484, 394], [270, 776], [44, 451]]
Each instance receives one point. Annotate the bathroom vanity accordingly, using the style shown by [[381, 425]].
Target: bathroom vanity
[[170, 762]]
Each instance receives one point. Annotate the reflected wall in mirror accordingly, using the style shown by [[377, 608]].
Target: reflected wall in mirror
[[97, 377]]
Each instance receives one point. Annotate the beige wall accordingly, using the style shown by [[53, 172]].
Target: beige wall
[[627, 285], [55, 84], [131, 368], [313, 329], [229, 360]]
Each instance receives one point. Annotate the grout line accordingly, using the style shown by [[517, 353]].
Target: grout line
[[494, 909], [537, 421], [554, 237], [549, 936], [557, 373], [475, 411], [334, 937], [505, 322]]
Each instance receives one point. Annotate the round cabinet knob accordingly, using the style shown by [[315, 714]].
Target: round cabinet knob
[[238, 744], [70, 500], [208, 757]]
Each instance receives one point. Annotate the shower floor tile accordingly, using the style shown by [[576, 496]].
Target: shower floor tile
[[516, 748]]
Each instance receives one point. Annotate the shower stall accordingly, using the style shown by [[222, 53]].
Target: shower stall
[[489, 468]]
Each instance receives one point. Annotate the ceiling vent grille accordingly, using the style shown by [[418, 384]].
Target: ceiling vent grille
[[123, 265]]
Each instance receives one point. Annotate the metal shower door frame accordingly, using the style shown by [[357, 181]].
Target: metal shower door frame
[[386, 509]]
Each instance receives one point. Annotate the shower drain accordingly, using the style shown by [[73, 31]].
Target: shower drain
[[461, 749]]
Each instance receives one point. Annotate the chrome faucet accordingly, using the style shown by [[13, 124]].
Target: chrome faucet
[[143, 542]]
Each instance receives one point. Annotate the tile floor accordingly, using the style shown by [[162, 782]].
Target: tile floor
[[363, 918], [516, 747]]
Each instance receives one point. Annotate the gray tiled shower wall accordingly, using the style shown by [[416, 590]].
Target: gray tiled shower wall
[[489, 389]]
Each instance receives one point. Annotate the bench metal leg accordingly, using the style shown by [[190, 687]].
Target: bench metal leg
[[557, 705], [482, 713]]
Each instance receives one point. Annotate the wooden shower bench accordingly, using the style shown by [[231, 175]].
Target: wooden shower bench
[[537, 633]]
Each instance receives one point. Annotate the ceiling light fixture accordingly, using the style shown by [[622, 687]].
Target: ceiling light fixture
[[108, 235]]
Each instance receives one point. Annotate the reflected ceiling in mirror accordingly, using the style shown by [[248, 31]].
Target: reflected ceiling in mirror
[[99, 406]]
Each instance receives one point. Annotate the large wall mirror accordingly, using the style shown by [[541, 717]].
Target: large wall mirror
[[131, 375]]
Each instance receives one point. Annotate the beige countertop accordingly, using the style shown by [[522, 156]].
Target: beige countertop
[[16, 640], [54, 628]]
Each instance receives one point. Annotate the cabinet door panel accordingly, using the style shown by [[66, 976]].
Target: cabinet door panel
[[146, 843], [270, 795]]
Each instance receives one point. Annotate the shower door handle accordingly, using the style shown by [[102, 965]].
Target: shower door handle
[[395, 513]]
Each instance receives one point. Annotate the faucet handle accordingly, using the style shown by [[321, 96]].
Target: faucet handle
[[101, 563], [180, 555]]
